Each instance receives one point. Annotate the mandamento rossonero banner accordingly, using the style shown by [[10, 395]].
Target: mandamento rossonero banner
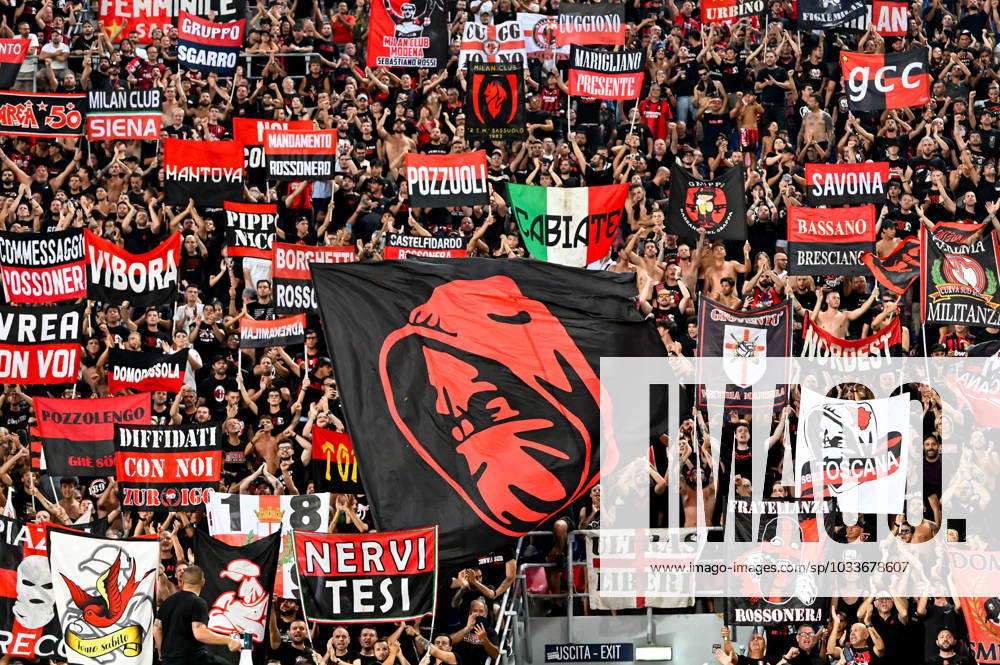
[[116, 276], [301, 155], [40, 344], [43, 267]]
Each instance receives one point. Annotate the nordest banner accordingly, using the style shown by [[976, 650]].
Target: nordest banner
[[43, 267], [207, 46], [399, 246], [210, 172], [293, 287], [846, 184], [829, 240], [603, 23], [278, 332], [439, 181], [40, 344], [301, 155], [606, 75], [124, 115], [848, 355], [144, 280], [250, 228], [147, 372]]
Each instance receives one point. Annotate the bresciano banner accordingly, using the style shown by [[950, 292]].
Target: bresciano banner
[[829, 240], [43, 267], [602, 23], [250, 228], [606, 74], [149, 372], [440, 181], [846, 184], [293, 287], [399, 246], [278, 332], [143, 280], [207, 46], [40, 344], [301, 155], [208, 172]]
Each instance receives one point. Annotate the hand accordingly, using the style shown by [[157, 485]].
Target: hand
[[792, 653], [480, 631], [235, 644]]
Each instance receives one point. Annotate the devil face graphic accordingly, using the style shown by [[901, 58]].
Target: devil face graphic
[[706, 205], [492, 392]]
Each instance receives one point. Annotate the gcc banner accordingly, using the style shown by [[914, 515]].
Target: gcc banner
[[12, 54], [843, 355], [573, 226], [408, 34], [28, 623], [960, 281], [879, 81], [301, 155], [897, 271], [167, 467], [824, 241], [334, 460], [278, 332], [359, 578], [124, 115], [250, 228], [602, 23], [40, 344], [293, 287], [248, 133], [209, 172], [399, 246], [715, 206], [440, 181], [43, 267], [43, 115], [143, 280], [207, 46], [502, 43], [606, 74], [147, 372], [495, 104], [846, 184]]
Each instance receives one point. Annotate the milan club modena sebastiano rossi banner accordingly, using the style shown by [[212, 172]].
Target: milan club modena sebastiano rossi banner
[[307, 155], [250, 228], [256, 334], [28, 621], [846, 184], [605, 74], [829, 240], [40, 344], [960, 280], [494, 107], [879, 81], [408, 34], [44, 115], [43, 267], [358, 578], [399, 246], [293, 287], [602, 23], [851, 355], [12, 54], [143, 280], [149, 372], [440, 181], [124, 115], [897, 271], [715, 206], [209, 172], [206, 46]]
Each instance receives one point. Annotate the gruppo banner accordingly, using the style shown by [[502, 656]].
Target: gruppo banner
[[116, 276], [43, 267], [439, 181], [848, 355], [149, 372], [140, 18], [207, 46], [301, 155], [40, 344], [256, 334], [399, 246], [829, 240], [407, 34], [293, 287], [250, 228], [602, 23], [209, 172], [124, 115], [42, 114], [606, 74], [846, 184]]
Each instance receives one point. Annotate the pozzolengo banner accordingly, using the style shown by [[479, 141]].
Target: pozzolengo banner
[[143, 280], [606, 74], [43, 267], [149, 372], [439, 181], [250, 228], [279, 332], [305, 155], [40, 344]]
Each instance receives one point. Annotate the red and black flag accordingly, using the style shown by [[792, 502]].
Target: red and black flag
[[35, 449], [12, 54], [167, 467], [250, 228], [147, 372], [829, 240], [43, 267], [879, 81], [42, 114], [400, 246], [209, 172], [960, 283], [495, 106], [897, 271], [207, 46], [256, 334], [408, 33], [606, 74], [334, 462], [516, 440], [846, 184], [602, 23], [293, 287], [439, 181], [301, 155], [249, 134], [731, 11], [40, 344], [28, 621], [716, 206], [143, 280]]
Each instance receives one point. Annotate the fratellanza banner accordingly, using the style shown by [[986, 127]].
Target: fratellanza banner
[[573, 226], [124, 115], [28, 621], [43, 267], [408, 34], [716, 206], [825, 14], [141, 18], [880, 81], [606, 74], [334, 462], [40, 344], [731, 11], [899, 269], [207, 46], [42, 114], [143, 280], [209, 172], [78, 435], [12, 54], [440, 181], [293, 287], [359, 578], [278, 332], [400, 246], [851, 355], [248, 133], [602, 23], [301, 155], [822, 241], [250, 228], [496, 43], [147, 372], [494, 106], [846, 184], [960, 281]]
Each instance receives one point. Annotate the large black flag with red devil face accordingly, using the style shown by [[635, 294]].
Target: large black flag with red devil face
[[472, 386]]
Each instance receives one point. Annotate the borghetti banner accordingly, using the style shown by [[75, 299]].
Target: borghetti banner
[[849, 355], [846, 184], [399, 246], [12, 54], [43, 267], [250, 228], [143, 280], [207, 46], [602, 23], [279, 332], [147, 372], [301, 155], [124, 115], [209, 172], [439, 181], [293, 287], [40, 344], [716, 206], [401, 35], [829, 240], [606, 74]]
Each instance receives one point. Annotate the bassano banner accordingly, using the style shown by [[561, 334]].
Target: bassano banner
[[399, 246], [539, 32], [960, 280], [209, 172], [249, 134], [301, 155], [602, 23], [12, 54], [572, 226], [829, 240], [141, 18], [43, 267], [501, 43], [28, 623], [731, 11], [715, 206], [439, 181], [880, 81], [148, 372], [293, 287], [78, 435], [849, 355], [250, 228], [335, 462], [408, 34], [606, 74], [124, 115], [43, 115], [278, 332], [167, 467], [846, 184], [897, 271], [40, 344], [359, 578], [495, 104], [207, 46], [143, 280], [825, 14]]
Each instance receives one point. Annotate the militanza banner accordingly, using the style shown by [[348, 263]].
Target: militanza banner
[[38, 114], [143, 280], [301, 155], [829, 240], [278, 332], [43, 267], [358, 578], [149, 372], [495, 103], [209, 172], [40, 344], [207, 46], [408, 34], [399, 246], [439, 181], [850, 355], [124, 115], [846, 184], [250, 228], [960, 281], [602, 23], [28, 622], [293, 287], [716, 206], [606, 74]]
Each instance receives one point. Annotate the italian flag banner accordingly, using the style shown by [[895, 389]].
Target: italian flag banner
[[571, 226]]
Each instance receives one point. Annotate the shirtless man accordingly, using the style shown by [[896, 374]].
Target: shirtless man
[[650, 259], [817, 125], [396, 142], [832, 320], [714, 265]]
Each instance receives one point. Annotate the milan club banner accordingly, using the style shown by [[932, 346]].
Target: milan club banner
[[406, 34], [501, 43], [391, 369], [573, 226], [846, 184], [889, 17], [167, 467], [248, 133], [139, 17], [209, 172], [731, 11], [308, 155], [238, 583], [440, 181], [897, 271], [334, 461], [606, 74], [826, 14], [250, 228], [278, 332], [539, 32], [100, 626], [293, 287], [237, 519], [12, 54], [400, 566], [28, 620], [845, 355], [715, 206], [124, 115], [495, 104], [43, 267], [602, 23], [880, 81], [143, 280], [829, 240], [399, 246], [755, 611], [42, 115], [960, 280], [40, 344], [207, 46], [147, 372]]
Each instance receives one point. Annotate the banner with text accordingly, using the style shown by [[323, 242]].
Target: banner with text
[[207, 46], [208, 172], [293, 287], [250, 228], [439, 181], [256, 334], [148, 372], [124, 115], [40, 344], [43, 267], [606, 74], [305, 155], [823, 241], [143, 280], [399, 246]]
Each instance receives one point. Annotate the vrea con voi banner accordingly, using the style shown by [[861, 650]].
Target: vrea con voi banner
[[439, 181], [124, 115], [44, 115], [207, 46], [43, 267], [40, 344], [116, 276], [293, 287], [249, 134]]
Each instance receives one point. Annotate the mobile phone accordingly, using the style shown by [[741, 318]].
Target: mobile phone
[[480, 621], [247, 640], [716, 646]]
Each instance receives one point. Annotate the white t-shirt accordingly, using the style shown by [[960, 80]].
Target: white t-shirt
[[30, 63], [50, 48]]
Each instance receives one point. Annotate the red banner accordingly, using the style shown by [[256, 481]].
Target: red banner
[[890, 18], [293, 289], [335, 463], [250, 228], [848, 355], [40, 344], [208, 172], [43, 267]]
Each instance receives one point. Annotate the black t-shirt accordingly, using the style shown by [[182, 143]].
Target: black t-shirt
[[177, 614], [287, 653], [772, 94]]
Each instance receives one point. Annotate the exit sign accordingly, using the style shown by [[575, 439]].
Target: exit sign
[[612, 652]]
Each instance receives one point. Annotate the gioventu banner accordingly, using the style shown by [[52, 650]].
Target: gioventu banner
[[293, 287], [334, 462], [495, 104], [43, 267], [606, 74], [829, 240], [846, 184], [717, 205], [602, 23], [40, 344], [306, 155], [124, 115], [897, 271], [440, 181], [879, 81], [12, 54], [278, 332], [143, 280], [28, 619], [44, 115], [849, 355], [210, 172], [399, 246], [358, 578], [250, 228], [207, 46], [406, 34], [960, 280], [148, 372]]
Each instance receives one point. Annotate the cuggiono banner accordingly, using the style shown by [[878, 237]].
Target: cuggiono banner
[[602, 23], [40, 344], [439, 181], [43, 267], [143, 280]]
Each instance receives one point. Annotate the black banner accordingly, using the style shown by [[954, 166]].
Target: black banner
[[846, 184], [755, 610], [250, 228], [208, 172], [824, 14], [399, 246], [43, 267], [960, 281], [439, 181], [36, 114], [717, 205], [824, 241], [28, 620], [301, 155], [147, 372], [606, 74], [495, 105]]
